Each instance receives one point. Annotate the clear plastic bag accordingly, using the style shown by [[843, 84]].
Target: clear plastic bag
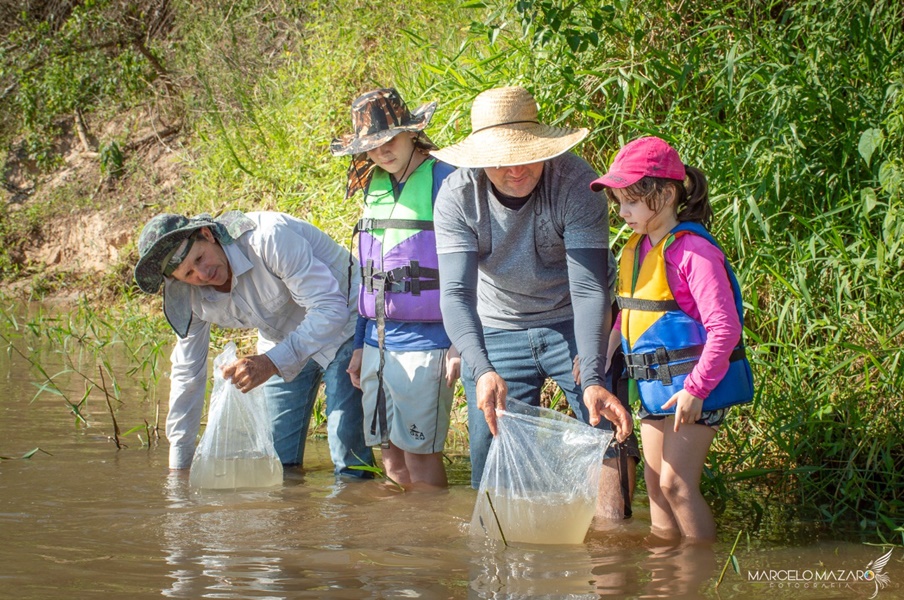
[[236, 450], [541, 478]]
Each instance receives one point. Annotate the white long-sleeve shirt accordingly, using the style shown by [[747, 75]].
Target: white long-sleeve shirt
[[290, 282]]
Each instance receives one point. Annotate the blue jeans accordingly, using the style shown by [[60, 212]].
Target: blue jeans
[[291, 404], [524, 358]]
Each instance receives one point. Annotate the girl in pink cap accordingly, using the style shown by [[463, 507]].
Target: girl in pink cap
[[680, 327]]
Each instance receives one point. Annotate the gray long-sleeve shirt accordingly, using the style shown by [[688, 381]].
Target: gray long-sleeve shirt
[[545, 263]]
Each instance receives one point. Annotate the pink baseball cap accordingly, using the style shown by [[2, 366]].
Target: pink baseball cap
[[644, 157]]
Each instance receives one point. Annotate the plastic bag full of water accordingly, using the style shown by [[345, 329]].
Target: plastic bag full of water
[[236, 450], [541, 479]]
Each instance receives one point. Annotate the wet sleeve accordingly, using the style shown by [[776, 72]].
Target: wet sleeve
[[188, 384], [458, 302], [588, 270]]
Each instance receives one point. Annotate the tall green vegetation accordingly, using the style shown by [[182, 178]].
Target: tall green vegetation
[[795, 111], [265, 145], [59, 60], [64, 64]]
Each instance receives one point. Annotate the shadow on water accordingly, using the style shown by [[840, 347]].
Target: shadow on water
[[89, 521]]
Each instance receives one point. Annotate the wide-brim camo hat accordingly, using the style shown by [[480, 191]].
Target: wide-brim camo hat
[[157, 244], [377, 117], [163, 235], [505, 132]]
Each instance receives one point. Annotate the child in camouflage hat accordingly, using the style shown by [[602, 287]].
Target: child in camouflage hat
[[403, 359]]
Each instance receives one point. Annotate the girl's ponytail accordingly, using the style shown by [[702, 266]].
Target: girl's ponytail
[[693, 204]]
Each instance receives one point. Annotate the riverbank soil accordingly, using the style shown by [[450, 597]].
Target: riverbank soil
[[70, 230]]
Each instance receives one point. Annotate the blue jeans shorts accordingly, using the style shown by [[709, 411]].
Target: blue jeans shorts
[[711, 418]]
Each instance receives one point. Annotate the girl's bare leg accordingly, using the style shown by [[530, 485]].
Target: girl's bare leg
[[683, 456], [394, 464], [427, 468], [663, 521]]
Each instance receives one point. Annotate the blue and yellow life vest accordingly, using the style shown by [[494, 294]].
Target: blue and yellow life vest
[[662, 343], [397, 249]]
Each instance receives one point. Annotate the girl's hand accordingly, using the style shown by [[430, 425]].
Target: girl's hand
[[354, 367], [453, 366], [688, 408]]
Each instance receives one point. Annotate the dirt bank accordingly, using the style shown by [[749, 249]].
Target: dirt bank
[[75, 226]]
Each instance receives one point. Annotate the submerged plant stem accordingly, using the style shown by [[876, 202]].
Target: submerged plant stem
[[103, 386], [495, 516], [731, 555]]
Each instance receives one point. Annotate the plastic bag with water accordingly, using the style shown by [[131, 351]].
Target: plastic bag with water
[[541, 479], [236, 450]]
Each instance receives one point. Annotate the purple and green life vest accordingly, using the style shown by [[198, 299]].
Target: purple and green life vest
[[397, 249], [662, 343]]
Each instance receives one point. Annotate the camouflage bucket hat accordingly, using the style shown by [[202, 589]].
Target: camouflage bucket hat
[[163, 235], [377, 117], [158, 240]]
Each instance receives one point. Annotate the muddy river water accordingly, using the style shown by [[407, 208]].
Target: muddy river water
[[83, 519]]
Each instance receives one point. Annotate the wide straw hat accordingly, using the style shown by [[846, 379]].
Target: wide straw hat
[[505, 132], [377, 117]]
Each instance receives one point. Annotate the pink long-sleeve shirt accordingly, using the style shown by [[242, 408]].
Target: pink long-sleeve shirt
[[699, 282]]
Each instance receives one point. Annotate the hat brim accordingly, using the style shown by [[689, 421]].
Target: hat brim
[[615, 180], [177, 306], [149, 268], [509, 146], [350, 144]]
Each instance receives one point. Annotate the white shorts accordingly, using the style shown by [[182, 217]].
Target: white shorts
[[418, 401]]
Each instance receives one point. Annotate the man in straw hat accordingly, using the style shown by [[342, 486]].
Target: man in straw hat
[[287, 279], [526, 270], [402, 362]]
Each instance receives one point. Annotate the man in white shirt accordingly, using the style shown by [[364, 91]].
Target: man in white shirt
[[287, 279]]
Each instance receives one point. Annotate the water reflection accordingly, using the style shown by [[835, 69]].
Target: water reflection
[[678, 568], [206, 543], [517, 573], [619, 563]]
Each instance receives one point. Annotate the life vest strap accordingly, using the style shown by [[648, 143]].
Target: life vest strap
[[367, 275], [380, 417], [369, 224], [666, 370], [411, 278], [662, 356], [628, 303]]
